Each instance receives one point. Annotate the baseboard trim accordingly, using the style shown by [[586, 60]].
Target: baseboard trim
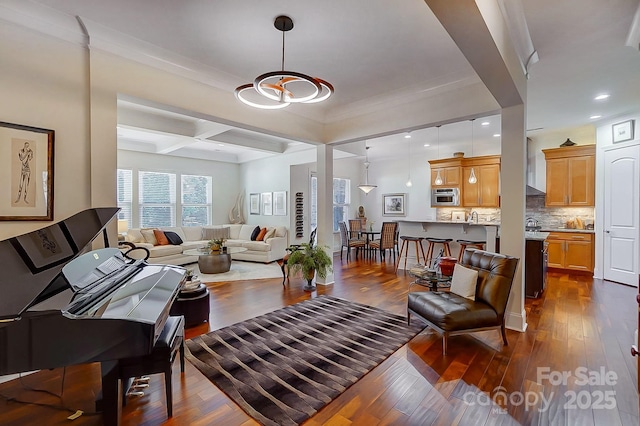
[[517, 322]]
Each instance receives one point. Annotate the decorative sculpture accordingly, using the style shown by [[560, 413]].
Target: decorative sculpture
[[235, 214]]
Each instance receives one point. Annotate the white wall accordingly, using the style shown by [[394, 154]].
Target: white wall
[[536, 164], [44, 84], [226, 177]]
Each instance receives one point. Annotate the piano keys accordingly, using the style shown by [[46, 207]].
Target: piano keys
[[62, 304]]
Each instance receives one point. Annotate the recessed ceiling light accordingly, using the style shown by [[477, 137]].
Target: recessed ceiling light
[[426, 144], [220, 144], [407, 136], [485, 123], [496, 135], [601, 97], [593, 117]]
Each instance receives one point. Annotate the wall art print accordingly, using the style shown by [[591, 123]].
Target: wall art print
[[26, 154]]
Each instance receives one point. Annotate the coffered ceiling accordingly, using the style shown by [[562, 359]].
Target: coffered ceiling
[[376, 53]]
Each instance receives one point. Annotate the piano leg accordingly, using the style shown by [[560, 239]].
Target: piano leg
[[111, 403]]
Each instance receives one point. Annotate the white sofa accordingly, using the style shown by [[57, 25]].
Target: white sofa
[[194, 237]]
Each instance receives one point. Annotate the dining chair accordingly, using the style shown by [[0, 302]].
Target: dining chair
[[347, 242], [387, 240], [355, 229]]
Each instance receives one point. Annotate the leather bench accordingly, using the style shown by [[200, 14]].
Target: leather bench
[[160, 360]]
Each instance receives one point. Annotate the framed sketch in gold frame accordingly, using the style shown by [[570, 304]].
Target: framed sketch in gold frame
[[26, 154]]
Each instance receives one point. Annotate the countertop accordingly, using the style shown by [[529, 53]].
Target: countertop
[[578, 231], [537, 235], [449, 222]]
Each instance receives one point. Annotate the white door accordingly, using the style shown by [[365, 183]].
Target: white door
[[621, 214]]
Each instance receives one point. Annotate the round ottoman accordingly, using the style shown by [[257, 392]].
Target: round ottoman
[[193, 305]]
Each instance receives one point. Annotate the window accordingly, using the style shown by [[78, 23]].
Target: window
[[196, 200], [341, 201], [125, 187], [157, 199]]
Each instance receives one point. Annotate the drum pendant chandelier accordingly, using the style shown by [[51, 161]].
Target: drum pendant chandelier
[[279, 86]]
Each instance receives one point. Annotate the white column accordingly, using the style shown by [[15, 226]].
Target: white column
[[325, 204], [513, 204]]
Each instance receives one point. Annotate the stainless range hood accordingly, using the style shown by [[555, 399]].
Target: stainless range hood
[[533, 192]]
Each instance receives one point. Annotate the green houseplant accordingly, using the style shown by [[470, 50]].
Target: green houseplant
[[311, 260], [215, 244]]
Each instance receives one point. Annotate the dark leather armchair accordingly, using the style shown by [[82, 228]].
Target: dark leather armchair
[[451, 314]]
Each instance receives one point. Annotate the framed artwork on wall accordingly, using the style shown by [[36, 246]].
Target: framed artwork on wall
[[280, 203], [394, 205], [254, 203], [623, 131], [267, 204], [26, 154]]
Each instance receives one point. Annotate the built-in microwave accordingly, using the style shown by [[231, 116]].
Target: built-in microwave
[[445, 197]]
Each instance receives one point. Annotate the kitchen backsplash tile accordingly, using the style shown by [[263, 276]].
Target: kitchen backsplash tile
[[556, 217], [484, 214]]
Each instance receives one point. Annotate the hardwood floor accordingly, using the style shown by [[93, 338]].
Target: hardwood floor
[[577, 323]]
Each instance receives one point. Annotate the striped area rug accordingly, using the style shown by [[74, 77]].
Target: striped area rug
[[283, 367]]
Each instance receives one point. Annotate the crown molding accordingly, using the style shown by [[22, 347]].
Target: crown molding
[[42, 19]]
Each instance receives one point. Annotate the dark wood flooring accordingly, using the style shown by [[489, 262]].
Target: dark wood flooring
[[578, 323]]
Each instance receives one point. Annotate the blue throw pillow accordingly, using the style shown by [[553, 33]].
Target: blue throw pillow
[[255, 233], [173, 238]]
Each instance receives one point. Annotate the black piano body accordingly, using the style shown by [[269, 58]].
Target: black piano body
[[61, 304]]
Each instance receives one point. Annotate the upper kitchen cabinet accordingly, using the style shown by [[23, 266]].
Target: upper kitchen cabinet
[[486, 191], [449, 169], [570, 176]]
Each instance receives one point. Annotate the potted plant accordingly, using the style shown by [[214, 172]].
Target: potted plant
[[215, 244], [311, 260]]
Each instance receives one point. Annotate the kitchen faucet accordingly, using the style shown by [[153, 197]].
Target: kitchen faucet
[[471, 220]]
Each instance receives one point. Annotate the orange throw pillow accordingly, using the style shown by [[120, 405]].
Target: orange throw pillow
[[160, 237], [261, 234]]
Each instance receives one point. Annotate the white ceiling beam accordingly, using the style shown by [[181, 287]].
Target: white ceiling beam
[[479, 31], [249, 141], [155, 122]]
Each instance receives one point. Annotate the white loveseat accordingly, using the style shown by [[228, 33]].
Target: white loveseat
[[193, 237]]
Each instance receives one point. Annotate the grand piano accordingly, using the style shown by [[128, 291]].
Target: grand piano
[[62, 303]]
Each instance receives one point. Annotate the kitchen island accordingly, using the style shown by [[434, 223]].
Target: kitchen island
[[480, 231]]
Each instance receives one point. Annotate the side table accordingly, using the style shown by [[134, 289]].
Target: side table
[[429, 278], [193, 305]]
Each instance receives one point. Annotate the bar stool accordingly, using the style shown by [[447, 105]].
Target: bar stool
[[471, 243], [432, 243], [405, 247]]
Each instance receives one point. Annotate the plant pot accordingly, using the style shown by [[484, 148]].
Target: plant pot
[[309, 275], [447, 264]]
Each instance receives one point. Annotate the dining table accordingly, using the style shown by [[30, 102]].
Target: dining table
[[371, 235]]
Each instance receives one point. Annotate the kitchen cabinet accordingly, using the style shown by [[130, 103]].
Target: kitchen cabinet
[[455, 172], [535, 276], [449, 172], [570, 176], [486, 191], [570, 250]]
